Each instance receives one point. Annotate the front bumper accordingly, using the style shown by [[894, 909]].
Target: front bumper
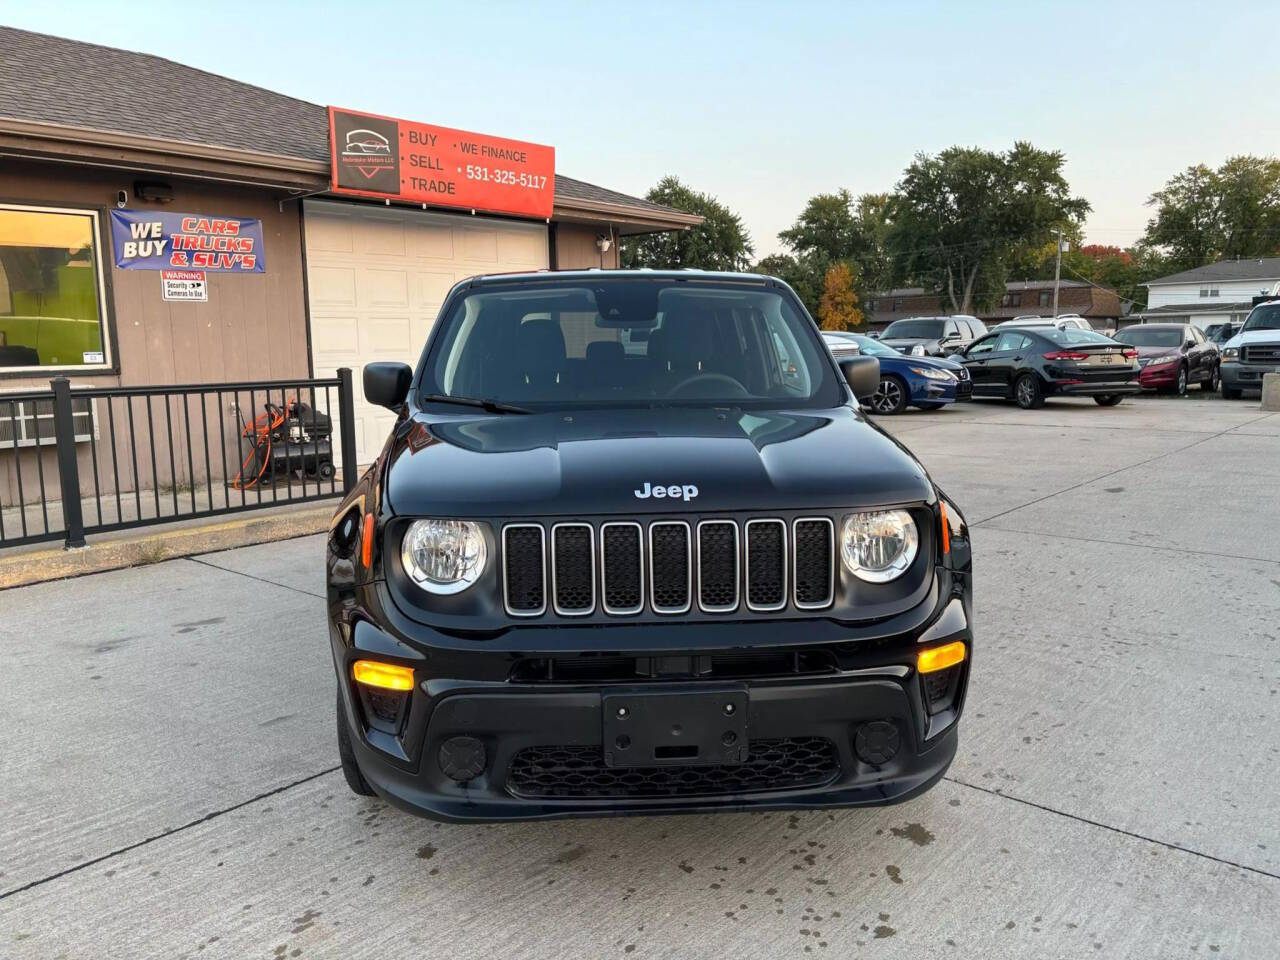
[[541, 736], [1158, 377], [1245, 376]]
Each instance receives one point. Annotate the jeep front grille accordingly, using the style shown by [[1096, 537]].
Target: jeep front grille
[[668, 567]]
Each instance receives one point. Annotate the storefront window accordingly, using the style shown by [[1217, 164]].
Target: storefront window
[[51, 294]]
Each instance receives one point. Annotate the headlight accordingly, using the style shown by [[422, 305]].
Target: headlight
[[879, 546], [443, 556], [930, 373], [1161, 361], [918, 350], [1231, 353]]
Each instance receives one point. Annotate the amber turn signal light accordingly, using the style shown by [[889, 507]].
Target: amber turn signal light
[[946, 527], [939, 658], [385, 676]]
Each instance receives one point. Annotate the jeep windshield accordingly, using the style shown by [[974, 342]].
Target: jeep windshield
[[629, 341]]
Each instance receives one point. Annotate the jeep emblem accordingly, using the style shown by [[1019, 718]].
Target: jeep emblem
[[676, 491]]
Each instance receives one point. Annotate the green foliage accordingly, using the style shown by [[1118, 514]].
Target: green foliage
[[838, 308], [719, 243], [836, 228], [958, 220], [1204, 215]]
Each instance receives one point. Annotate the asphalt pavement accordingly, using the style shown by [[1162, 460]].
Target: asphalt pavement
[[169, 787]]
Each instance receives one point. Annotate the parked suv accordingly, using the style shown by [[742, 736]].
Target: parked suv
[[1066, 321], [932, 336], [1172, 356], [582, 580], [1252, 352]]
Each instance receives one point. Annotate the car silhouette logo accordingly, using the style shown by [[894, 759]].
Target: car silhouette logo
[[363, 143]]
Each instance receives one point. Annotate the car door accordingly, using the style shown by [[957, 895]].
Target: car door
[[1201, 365], [977, 359], [1006, 361]]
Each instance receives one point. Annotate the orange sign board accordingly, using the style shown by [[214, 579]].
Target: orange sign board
[[375, 156]]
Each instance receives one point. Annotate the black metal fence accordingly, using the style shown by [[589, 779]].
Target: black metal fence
[[91, 460]]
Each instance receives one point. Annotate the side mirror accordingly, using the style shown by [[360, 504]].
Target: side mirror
[[387, 384], [862, 374]]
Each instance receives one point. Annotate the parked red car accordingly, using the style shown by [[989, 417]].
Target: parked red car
[[1172, 356]]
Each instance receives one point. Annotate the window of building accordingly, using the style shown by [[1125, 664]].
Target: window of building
[[1208, 291], [875, 305], [1011, 300], [52, 297], [897, 305], [1045, 298]]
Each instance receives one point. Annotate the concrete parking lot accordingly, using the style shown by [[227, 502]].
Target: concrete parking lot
[[168, 781]]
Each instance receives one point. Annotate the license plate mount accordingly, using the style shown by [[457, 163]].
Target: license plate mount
[[675, 728]]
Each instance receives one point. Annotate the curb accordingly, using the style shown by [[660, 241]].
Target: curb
[[56, 563]]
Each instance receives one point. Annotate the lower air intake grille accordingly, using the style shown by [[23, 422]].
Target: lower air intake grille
[[523, 570], [578, 771], [766, 564], [669, 566]]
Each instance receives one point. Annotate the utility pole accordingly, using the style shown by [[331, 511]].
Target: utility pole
[[1057, 274]]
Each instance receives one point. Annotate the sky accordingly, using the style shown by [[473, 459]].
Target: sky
[[760, 105]]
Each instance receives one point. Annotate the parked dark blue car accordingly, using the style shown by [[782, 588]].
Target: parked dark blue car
[[925, 382]]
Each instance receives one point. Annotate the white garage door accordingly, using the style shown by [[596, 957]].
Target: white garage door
[[376, 277]]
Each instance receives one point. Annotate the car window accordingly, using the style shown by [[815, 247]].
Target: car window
[[1010, 340], [979, 328], [872, 348], [985, 345], [546, 345], [918, 328], [1073, 337], [1140, 336], [951, 328], [1265, 316]]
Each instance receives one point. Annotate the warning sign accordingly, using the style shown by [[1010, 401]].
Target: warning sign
[[184, 285]]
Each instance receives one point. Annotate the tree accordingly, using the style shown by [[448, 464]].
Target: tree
[[1204, 215], [838, 309], [720, 242], [832, 228], [958, 219]]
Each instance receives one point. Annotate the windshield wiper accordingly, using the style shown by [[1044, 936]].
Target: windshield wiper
[[493, 406]]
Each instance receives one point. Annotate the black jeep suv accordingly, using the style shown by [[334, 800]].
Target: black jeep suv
[[632, 547]]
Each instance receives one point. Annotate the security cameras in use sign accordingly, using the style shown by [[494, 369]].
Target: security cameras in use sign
[[147, 240]]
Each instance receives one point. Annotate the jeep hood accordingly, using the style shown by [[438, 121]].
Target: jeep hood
[[592, 462]]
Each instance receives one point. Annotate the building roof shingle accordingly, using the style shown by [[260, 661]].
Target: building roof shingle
[[1265, 268], [48, 79]]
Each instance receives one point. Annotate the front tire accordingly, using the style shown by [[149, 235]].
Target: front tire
[[892, 397], [350, 769], [1231, 393], [1180, 385], [1027, 392], [1211, 385], [1110, 400]]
